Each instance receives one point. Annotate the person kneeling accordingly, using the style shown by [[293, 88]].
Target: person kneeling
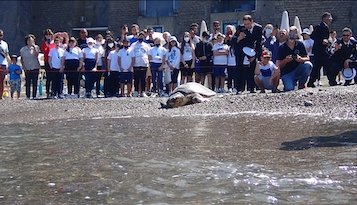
[[267, 74]]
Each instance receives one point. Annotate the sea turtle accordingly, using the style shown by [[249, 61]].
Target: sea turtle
[[188, 93]]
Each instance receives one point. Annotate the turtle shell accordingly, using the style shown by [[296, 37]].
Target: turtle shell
[[192, 87]]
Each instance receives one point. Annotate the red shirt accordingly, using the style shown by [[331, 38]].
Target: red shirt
[[46, 49]]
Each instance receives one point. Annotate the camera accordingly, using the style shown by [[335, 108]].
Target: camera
[[294, 56]]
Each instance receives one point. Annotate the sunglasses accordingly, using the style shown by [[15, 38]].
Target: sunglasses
[[346, 35]]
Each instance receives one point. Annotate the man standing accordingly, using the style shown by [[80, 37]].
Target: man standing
[[293, 62], [320, 36], [82, 40], [249, 34], [4, 59]]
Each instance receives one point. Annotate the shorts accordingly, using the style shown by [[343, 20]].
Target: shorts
[[126, 77], [219, 70], [186, 71], [174, 75], [15, 85], [265, 81], [197, 67]]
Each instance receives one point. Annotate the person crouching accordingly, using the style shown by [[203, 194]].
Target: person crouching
[[267, 74]]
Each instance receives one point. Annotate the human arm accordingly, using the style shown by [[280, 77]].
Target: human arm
[[193, 58], [257, 69], [276, 74]]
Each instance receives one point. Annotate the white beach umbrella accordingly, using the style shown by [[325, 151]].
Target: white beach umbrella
[[285, 21], [203, 27], [311, 28], [298, 26]]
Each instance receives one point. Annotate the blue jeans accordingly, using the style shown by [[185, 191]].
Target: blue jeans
[[156, 76], [300, 74]]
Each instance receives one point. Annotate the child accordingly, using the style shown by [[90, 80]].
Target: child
[[267, 74], [126, 64], [15, 78]]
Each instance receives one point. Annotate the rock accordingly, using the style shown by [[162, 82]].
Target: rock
[[308, 103]]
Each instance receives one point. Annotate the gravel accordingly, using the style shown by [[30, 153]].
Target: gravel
[[337, 102]]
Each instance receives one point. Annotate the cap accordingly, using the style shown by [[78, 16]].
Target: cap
[[14, 56], [307, 31], [90, 40], [266, 54], [173, 38], [205, 34]]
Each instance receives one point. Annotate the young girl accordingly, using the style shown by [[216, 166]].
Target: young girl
[[55, 62], [231, 71], [126, 63], [173, 58], [72, 62], [157, 56], [220, 60], [91, 58], [187, 56]]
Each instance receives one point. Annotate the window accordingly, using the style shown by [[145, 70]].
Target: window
[[153, 9], [156, 28], [223, 6]]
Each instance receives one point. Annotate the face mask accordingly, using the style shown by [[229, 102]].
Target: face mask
[[110, 45], [140, 40], [126, 47], [98, 42], [205, 41], [186, 39], [157, 44], [90, 46], [268, 31]]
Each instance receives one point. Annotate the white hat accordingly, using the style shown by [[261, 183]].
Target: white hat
[[348, 73], [307, 31], [249, 51], [173, 38], [90, 40]]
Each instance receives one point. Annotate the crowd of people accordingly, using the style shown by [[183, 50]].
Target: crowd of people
[[139, 63]]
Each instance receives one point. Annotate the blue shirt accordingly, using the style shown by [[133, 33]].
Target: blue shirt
[[12, 70]]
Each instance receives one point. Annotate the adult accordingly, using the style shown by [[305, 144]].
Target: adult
[[269, 37], [216, 29], [4, 60], [282, 38], [124, 30], [135, 29], [344, 49], [47, 45], [320, 36], [30, 64], [82, 40], [204, 54], [249, 34], [193, 33], [293, 62]]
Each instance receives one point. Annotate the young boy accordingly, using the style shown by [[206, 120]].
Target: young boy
[[126, 63], [267, 74], [15, 78]]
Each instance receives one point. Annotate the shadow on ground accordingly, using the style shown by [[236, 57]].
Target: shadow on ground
[[345, 139]]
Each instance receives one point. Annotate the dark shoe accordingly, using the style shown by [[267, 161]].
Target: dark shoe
[[347, 83], [239, 92], [302, 87], [276, 91], [311, 85], [262, 91], [252, 91], [333, 83]]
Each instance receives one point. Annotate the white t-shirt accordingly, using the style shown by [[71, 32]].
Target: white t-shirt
[[174, 57], [113, 57], [141, 51], [221, 59], [267, 70], [90, 53], [5, 48], [308, 43], [101, 53], [56, 55], [125, 58], [74, 53], [157, 54], [231, 58], [187, 52]]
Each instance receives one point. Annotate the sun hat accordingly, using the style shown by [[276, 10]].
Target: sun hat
[[173, 38], [90, 40], [266, 54], [13, 56], [306, 31], [348, 73], [249, 51]]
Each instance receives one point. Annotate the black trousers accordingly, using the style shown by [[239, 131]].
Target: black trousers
[[140, 76], [319, 61], [48, 77], [31, 78], [245, 74], [113, 83], [72, 75], [56, 82]]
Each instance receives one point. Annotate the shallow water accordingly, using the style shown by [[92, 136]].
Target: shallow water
[[227, 159]]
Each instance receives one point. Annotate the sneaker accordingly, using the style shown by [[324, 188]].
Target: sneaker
[[230, 90], [320, 83], [302, 87], [135, 94], [143, 94], [217, 90], [60, 96], [54, 97], [67, 96], [163, 94], [75, 96], [35, 98], [234, 90], [223, 90], [117, 95], [154, 95]]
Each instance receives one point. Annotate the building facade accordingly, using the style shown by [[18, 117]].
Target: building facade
[[175, 16]]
